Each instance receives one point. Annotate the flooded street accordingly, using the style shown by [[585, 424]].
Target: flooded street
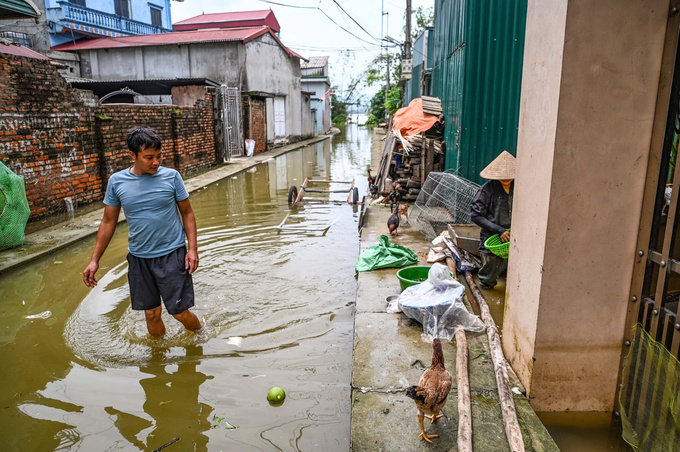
[[81, 372]]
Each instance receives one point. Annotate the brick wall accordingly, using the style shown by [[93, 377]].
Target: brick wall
[[255, 122], [66, 149]]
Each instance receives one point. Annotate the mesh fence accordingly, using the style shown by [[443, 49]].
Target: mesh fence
[[650, 395], [444, 199], [14, 210]]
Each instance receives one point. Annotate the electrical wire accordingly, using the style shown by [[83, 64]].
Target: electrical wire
[[354, 20], [327, 16]]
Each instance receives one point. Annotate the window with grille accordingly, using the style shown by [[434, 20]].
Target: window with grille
[[78, 2]]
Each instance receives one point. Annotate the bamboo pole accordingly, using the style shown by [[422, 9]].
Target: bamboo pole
[[512, 430], [463, 384]]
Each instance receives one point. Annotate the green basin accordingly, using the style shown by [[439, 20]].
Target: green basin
[[410, 276]]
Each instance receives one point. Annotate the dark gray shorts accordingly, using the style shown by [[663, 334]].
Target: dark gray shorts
[[160, 277]]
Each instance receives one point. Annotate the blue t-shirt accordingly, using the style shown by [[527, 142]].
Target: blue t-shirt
[[150, 206]]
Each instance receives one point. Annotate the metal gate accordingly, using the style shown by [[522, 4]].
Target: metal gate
[[652, 348], [231, 122]]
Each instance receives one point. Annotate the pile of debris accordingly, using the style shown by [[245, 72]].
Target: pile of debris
[[414, 147]]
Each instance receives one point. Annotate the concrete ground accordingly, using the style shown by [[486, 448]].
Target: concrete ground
[[385, 349]]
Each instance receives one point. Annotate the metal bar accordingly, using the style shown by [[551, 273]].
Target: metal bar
[[665, 254], [332, 181], [675, 344], [655, 257], [675, 266], [316, 190]]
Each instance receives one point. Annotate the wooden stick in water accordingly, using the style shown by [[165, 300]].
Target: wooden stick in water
[[512, 430]]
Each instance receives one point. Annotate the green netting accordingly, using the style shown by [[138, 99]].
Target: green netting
[[650, 395], [14, 210]]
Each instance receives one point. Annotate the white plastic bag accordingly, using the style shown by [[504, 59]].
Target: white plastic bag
[[250, 147], [437, 303]]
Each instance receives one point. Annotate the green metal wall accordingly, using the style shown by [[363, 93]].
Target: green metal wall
[[412, 88], [477, 74]]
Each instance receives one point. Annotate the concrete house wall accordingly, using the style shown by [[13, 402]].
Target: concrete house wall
[[270, 69], [319, 86], [219, 61], [260, 65], [589, 94], [50, 30]]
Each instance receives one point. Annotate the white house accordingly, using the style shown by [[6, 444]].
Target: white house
[[315, 80]]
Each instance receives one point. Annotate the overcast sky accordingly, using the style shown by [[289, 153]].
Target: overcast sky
[[315, 27]]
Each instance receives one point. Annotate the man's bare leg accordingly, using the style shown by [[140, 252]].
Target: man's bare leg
[[189, 320], [154, 322]]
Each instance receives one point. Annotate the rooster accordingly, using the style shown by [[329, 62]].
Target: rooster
[[372, 187], [432, 390], [395, 195]]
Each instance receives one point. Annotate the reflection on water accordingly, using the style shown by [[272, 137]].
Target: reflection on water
[[277, 307], [585, 432]]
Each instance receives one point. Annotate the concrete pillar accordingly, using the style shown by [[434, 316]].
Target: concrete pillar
[[589, 86]]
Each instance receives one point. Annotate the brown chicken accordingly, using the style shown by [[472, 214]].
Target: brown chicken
[[432, 390], [394, 220]]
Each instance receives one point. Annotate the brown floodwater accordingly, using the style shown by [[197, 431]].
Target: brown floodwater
[[80, 371]]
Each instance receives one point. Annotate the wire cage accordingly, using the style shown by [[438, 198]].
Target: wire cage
[[444, 199]]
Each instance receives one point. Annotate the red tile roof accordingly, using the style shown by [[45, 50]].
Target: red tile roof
[[230, 20], [244, 35], [15, 49]]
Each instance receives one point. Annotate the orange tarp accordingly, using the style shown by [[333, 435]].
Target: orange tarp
[[411, 120]]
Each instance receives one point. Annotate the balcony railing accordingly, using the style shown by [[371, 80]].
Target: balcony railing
[[98, 19]]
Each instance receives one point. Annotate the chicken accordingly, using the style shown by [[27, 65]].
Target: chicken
[[403, 208], [432, 390], [393, 221], [395, 195], [372, 187]]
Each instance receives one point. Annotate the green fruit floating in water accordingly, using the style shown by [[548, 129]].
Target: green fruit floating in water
[[276, 395]]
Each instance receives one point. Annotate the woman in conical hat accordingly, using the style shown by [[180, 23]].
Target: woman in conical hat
[[491, 210]]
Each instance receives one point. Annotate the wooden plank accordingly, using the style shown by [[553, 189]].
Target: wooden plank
[[429, 158]]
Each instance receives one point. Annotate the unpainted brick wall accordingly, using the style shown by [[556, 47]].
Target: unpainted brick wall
[[65, 149], [254, 120]]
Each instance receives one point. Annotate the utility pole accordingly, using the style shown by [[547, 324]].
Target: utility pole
[[387, 52], [407, 40]]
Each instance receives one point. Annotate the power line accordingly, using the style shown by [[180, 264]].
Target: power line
[[353, 20], [324, 13]]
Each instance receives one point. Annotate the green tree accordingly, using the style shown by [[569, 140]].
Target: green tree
[[338, 110], [376, 111], [421, 18], [393, 100]]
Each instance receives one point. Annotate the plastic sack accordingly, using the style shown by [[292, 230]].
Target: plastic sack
[[437, 303], [14, 209], [250, 147], [385, 255]]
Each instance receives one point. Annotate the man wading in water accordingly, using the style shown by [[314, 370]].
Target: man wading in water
[[160, 266]]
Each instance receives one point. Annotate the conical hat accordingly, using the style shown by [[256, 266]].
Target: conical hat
[[502, 168]]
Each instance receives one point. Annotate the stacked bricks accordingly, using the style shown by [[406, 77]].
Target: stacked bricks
[[46, 136], [66, 150]]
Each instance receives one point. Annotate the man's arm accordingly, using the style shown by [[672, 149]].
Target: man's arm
[[106, 230], [189, 222]]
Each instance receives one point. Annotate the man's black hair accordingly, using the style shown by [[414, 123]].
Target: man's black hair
[[142, 136]]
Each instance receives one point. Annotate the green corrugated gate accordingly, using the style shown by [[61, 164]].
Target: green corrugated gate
[[477, 74]]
